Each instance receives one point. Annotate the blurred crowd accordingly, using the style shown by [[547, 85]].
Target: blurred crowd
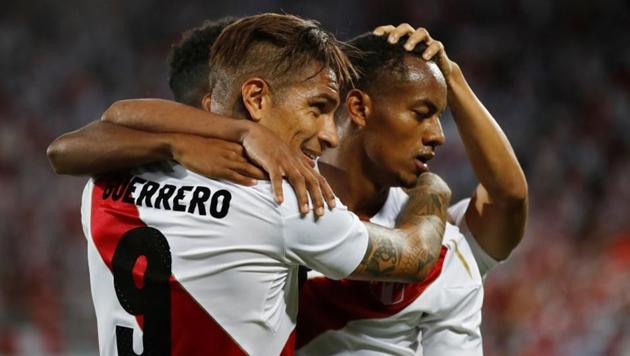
[[555, 75]]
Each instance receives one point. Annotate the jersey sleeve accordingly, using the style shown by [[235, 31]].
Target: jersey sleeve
[[333, 244], [457, 214]]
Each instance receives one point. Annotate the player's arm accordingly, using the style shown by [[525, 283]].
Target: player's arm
[[262, 146], [409, 252], [102, 147], [339, 245], [497, 213], [147, 130]]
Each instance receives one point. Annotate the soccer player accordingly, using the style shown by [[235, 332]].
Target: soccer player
[[392, 125], [201, 266]]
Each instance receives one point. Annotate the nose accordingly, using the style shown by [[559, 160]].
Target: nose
[[433, 135], [328, 132]]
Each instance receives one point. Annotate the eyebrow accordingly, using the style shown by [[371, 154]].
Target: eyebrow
[[426, 102], [326, 97]]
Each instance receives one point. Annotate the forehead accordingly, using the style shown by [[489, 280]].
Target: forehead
[[309, 83], [319, 78], [421, 79]]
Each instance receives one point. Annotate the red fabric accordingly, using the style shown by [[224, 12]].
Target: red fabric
[[289, 347], [326, 304], [193, 331]]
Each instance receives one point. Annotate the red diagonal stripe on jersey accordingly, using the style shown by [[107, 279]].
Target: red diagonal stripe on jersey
[[193, 330], [326, 304]]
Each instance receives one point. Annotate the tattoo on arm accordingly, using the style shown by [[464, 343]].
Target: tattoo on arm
[[382, 256], [409, 252], [423, 201]]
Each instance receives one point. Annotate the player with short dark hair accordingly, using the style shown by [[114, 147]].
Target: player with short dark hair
[[392, 122], [188, 61]]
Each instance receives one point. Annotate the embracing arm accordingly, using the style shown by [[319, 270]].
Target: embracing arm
[[159, 115], [138, 131], [261, 146], [102, 147], [497, 213], [408, 253]]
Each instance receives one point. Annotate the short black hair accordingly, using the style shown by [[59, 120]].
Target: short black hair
[[188, 60], [275, 47], [375, 58]]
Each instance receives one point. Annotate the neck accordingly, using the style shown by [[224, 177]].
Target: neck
[[350, 174]]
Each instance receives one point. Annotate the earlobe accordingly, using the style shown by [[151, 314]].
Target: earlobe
[[206, 102], [256, 97], [359, 106]]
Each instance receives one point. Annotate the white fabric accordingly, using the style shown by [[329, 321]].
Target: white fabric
[[444, 320], [457, 213], [242, 269]]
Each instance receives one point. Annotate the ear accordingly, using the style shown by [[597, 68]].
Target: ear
[[256, 95], [359, 106], [206, 102]]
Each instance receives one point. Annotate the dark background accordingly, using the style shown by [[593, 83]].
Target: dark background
[[555, 75]]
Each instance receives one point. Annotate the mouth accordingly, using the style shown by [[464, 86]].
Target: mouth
[[421, 162], [311, 157]]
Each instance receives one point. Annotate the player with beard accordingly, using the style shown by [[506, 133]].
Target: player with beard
[[392, 124], [196, 265]]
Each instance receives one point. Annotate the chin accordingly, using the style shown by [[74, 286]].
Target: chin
[[407, 181]]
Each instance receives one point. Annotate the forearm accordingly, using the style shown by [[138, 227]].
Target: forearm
[[401, 255], [408, 253], [103, 147], [423, 221], [157, 115], [489, 151]]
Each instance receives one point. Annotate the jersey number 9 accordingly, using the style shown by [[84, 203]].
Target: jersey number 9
[[152, 300]]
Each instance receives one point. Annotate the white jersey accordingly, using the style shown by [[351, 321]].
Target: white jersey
[[184, 265], [438, 316]]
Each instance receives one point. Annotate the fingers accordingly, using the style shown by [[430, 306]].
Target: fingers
[[419, 35], [275, 175], [314, 190], [306, 183], [415, 36], [249, 170], [238, 178], [400, 31], [299, 186], [381, 30], [327, 191], [434, 48]]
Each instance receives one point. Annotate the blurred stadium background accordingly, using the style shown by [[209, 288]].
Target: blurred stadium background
[[555, 74]]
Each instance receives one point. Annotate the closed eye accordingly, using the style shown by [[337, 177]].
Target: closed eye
[[423, 115]]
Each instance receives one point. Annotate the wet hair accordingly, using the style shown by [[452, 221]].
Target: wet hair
[[188, 61], [376, 59], [276, 47]]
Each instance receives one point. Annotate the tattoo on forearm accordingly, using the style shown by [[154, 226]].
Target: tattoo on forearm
[[423, 203], [383, 256], [400, 258], [410, 252]]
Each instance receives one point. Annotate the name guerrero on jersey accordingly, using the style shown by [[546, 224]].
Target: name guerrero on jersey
[[185, 265]]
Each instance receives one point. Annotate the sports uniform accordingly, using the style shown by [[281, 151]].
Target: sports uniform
[[440, 315], [186, 265]]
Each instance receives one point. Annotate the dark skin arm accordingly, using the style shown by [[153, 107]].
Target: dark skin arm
[[408, 254], [134, 132], [497, 213], [102, 147]]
